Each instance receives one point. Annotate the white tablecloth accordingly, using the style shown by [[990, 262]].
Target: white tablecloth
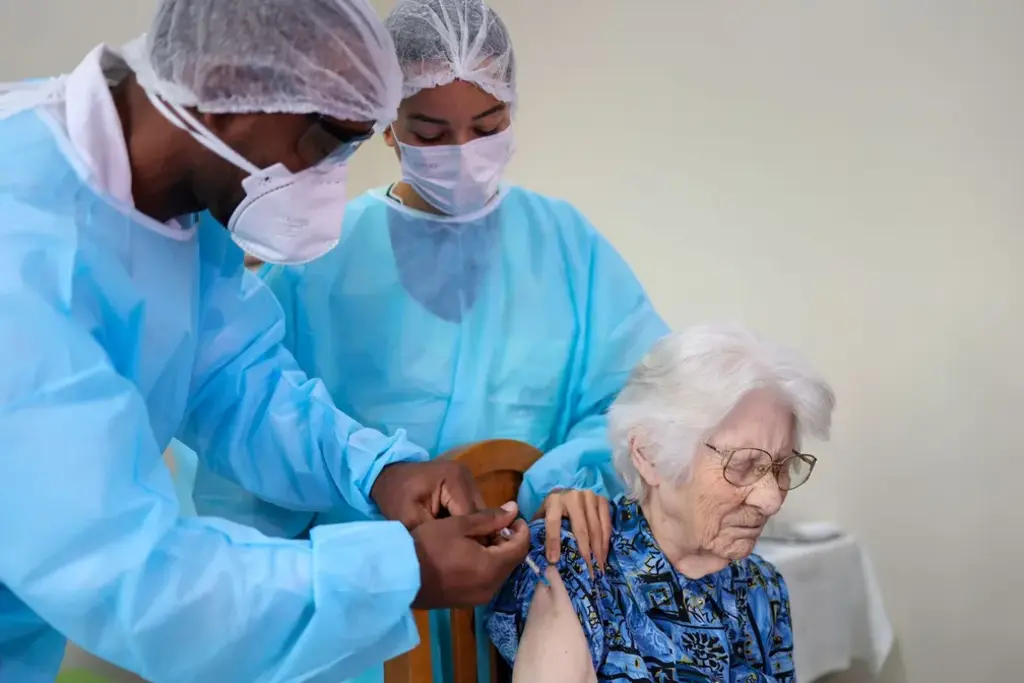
[[838, 614]]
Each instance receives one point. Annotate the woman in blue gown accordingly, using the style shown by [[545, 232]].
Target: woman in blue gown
[[459, 308]]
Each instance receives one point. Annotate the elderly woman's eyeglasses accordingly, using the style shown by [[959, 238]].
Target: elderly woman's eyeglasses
[[746, 466]]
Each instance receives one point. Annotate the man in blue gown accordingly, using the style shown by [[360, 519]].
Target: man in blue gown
[[125, 323]]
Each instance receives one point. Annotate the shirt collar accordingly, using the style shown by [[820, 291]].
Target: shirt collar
[[643, 562], [93, 124]]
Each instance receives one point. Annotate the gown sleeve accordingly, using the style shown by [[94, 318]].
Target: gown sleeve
[[257, 419], [101, 554], [620, 326]]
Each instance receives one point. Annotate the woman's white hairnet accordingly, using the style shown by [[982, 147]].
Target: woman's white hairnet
[[439, 41], [328, 57]]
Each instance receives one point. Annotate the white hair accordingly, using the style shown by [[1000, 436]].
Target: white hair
[[687, 384]]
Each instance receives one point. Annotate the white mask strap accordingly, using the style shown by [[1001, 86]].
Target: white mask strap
[[182, 118]]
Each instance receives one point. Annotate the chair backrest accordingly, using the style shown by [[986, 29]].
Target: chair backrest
[[498, 467]]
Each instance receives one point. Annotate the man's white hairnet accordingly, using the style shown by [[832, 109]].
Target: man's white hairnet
[[328, 57], [439, 41]]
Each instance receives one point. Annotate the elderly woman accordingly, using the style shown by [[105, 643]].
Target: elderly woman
[[706, 437]]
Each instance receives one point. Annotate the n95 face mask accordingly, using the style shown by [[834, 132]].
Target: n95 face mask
[[286, 218], [290, 219], [457, 179]]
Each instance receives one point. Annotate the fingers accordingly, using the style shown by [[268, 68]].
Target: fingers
[[553, 529], [478, 496], [493, 564], [488, 522], [460, 494], [597, 542], [455, 569], [590, 521], [605, 519], [578, 522], [435, 503], [542, 511], [510, 554], [414, 515]]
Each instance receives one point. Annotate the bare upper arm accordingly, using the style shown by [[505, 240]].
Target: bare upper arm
[[553, 647]]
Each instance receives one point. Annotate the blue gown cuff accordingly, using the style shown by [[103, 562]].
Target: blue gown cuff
[[366, 576]]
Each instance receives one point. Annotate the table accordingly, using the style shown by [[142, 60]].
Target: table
[[838, 613]]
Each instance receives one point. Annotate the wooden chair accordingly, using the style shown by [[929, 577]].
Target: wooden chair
[[498, 467]]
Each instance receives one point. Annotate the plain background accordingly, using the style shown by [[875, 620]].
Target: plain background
[[843, 176]]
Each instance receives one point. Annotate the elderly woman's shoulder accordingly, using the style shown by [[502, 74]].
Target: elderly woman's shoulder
[[538, 535], [570, 557]]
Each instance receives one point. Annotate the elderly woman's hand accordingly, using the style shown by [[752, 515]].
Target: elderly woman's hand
[[589, 518]]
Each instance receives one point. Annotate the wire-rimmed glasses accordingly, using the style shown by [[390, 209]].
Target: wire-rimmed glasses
[[746, 466]]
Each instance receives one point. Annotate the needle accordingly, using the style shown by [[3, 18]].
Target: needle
[[506, 533]]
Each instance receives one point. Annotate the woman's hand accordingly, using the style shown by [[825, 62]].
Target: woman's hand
[[589, 518]]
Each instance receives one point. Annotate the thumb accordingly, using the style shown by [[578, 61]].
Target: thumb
[[489, 521]]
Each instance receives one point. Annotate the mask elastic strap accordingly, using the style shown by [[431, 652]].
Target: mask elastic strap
[[182, 118]]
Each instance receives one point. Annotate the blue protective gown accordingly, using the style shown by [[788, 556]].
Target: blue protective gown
[[521, 322], [118, 333]]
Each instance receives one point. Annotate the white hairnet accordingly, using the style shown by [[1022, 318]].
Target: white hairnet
[[328, 57], [439, 41]]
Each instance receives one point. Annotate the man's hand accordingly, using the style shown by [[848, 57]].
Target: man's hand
[[589, 519], [456, 569], [416, 492]]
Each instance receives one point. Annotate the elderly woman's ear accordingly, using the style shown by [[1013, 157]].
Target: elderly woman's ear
[[640, 449]]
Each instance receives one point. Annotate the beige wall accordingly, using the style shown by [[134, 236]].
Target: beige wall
[[845, 176]]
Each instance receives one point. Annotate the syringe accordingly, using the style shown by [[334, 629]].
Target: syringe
[[506, 533]]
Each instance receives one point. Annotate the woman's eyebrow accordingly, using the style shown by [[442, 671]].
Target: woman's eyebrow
[[428, 119], [493, 110]]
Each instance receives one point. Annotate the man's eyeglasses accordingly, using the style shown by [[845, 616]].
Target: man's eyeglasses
[[746, 466], [325, 141]]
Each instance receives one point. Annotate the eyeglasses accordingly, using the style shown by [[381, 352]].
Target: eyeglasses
[[746, 466], [324, 140]]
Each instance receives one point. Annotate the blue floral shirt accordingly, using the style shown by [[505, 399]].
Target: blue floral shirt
[[644, 621]]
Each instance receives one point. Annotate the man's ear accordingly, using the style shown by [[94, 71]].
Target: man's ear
[[389, 137], [640, 450]]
